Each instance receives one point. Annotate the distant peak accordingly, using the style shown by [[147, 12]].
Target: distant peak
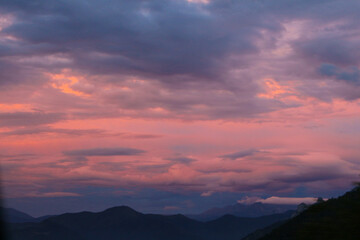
[[122, 209]]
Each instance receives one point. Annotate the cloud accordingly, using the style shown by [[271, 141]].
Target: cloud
[[241, 154], [183, 48], [313, 174], [207, 194], [224, 170], [184, 160], [168, 36], [17, 157], [249, 200], [351, 76], [278, 200], [155, 168], [13, 74], [334, 49], [288, 200], [129, 135], [54, 194], [104, 152], [194, 102], [15, 119], [69, 163], [203, 76], [197, 61], [45, 129]]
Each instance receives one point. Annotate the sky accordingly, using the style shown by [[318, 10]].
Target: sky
[[174, 106]]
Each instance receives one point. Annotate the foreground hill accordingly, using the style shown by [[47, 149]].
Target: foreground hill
[[335, 219], [125, 223], [243, 210]]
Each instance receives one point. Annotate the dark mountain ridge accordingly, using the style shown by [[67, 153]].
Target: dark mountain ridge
[[125, 223], [12, 215], [243, 210], [334, 219]]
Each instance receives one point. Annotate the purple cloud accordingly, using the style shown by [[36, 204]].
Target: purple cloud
[[351, 75], [104, 152], [240, 154], [14, 119]]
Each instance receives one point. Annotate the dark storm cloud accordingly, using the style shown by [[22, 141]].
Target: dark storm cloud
[[241, 154], [29, 118], [104, 152]]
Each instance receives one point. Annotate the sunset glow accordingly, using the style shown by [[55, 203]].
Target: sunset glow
[[177, 105]]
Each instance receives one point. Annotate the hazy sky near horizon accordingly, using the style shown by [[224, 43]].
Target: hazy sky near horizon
[[174, 105]]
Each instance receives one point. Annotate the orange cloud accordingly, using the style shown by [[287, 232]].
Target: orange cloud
[[65, 83], [15, 107], [274, 90]]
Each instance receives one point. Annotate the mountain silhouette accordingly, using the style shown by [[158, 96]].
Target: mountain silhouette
[[15, 216], [125, 223], [335, 219], [243, 210], [12, 215]]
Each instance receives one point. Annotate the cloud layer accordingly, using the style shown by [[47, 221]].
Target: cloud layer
[[104, 152]]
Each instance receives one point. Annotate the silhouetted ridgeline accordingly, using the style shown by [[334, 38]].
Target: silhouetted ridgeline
[[125, 223], [14, 216], [243, 210], [335, 219]]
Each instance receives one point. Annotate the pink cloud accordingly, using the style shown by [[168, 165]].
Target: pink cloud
[[278, 200], [259, 118], [287, 200], [54, 194]]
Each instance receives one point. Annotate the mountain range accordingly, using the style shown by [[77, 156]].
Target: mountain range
[[334, 219], [126, 223], [12, 215], [243, 210]]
